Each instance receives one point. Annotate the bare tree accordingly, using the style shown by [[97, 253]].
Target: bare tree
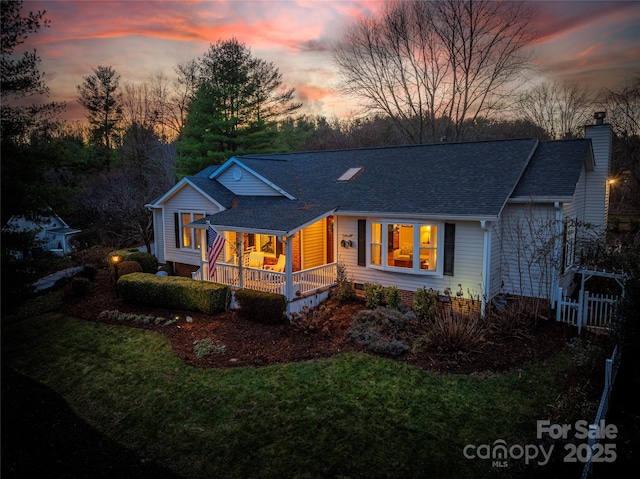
[[531, 251], [422, 61], [560, 109], [623, 112], [184, 91], [138, 106], [113, 203]]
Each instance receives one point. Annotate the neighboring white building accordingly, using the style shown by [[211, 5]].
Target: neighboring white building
[[51, 232], [484, 217]]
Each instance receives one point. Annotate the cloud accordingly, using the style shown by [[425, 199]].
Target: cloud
[[578, 39], [557, 20]]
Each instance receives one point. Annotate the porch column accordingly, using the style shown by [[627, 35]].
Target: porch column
[[204, 260], [240, 253], [288, 272]]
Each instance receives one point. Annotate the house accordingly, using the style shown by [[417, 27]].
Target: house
[[51, 232], [484, 218]]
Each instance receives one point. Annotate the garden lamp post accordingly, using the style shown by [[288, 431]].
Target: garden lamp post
[[115, 260]]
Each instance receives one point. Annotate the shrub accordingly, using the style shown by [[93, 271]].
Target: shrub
[[425, 303], [262, 307], [128, 267], [173, 292], [373, 295], [312, 320], [382, 330], [376, 295], [392, 297], [148, 261], [207, 346], [344, 289], [453, 332]]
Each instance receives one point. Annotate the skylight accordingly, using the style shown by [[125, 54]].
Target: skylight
[[350, 173]]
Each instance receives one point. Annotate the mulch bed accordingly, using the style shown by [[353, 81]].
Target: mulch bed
[[250, 343]]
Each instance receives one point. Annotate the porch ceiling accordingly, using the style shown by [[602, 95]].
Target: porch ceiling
[[267, 215]]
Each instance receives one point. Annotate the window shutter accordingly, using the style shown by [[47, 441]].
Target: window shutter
[[176, 225], [362, 242], [449, 247]]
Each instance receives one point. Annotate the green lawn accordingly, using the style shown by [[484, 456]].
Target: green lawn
[[353, 415]]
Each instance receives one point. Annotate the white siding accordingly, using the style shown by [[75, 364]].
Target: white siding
[[467, 267], [597, 198], [577, 208], [528, 250], [187, 199], [247, 185], [495, 286], [158, 236], [313, 245]]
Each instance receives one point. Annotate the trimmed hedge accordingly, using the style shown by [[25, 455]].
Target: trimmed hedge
[[261, 307], [173, 292]]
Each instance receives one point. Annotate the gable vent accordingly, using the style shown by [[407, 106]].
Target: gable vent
[[350, 173]]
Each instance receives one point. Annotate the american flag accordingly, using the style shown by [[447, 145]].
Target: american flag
[[215, 242]]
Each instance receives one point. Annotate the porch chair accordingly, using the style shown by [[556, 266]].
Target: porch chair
[[279, 266], [256, 260]]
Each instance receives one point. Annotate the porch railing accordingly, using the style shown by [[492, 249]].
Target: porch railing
[[303, 282], [310, 280]]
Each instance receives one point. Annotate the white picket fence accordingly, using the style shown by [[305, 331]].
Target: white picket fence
[[611, 369], [593, 311]]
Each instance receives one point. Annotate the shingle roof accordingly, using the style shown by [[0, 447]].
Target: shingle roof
[[470, 179], [455, 179], [278, 215], [214, 189], [554, 169]]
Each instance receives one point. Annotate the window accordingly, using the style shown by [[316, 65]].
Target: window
[[189, 237], [376, 243], [350, 174], [268, 244], [405, 246]]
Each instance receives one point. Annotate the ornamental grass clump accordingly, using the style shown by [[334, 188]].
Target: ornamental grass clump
[[453, 332]]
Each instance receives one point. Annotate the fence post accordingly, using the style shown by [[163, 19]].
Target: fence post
[[580, 311], [585, 309]]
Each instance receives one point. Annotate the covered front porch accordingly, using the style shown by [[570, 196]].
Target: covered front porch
[[302, 283], [299, 263]]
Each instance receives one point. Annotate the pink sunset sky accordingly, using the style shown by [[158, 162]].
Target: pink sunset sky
[[595, 43]]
